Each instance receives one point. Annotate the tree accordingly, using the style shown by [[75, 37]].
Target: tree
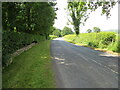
[[66, 31], [9, 13], [96, 29], [27, 17], [79, 11], [57, 32], [89, 30], [52, 30]]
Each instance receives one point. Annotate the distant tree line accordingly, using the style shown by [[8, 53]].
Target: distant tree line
[[95, 29], [59, 33]]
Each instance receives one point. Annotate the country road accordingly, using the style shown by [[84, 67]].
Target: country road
[[82, 67]]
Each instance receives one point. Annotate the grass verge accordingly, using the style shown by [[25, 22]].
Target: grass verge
[[100, 49], [31, 69]]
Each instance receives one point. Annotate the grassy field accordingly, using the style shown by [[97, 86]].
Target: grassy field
[[31, 69], [103, 40]]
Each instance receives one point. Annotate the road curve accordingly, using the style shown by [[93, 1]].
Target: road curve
[[82, 67]]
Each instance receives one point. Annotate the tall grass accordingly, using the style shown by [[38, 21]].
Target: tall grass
[[104, 40], [115, 46]]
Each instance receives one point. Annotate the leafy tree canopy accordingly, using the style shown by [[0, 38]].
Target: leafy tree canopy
[[57, 32], [96, 29], [79, 11], [28, 17], [66, 30], [89, 30]]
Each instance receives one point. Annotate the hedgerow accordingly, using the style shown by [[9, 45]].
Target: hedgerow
[[107, 40], [115, 46], [12, 41]]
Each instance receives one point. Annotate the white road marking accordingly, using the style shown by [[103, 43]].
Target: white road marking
[[99, 64]]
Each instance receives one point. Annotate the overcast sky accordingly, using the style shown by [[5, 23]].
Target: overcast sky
[[95, 18]]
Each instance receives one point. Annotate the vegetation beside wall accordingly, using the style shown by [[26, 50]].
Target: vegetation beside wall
[[31, 69], [13, 41], [24, 23]]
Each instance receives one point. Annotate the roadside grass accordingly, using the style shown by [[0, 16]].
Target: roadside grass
[[31, 69], [52, 36], [98, 41]]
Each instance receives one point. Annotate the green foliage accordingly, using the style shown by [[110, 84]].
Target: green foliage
[[115, 46], [37, 19], [57, 33], [31, 69], [89, 30], [12, 41], [78, 14], [107, 40], [52, 30], [24, 23], [96, 29], [66, 31], [52, 36]]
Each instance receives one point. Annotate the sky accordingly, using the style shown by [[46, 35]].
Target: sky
[[95, 18]]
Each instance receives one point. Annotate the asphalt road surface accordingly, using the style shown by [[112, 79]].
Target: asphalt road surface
[[82, 67]]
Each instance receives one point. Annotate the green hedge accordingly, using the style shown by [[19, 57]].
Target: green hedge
[[115, 46], [98, 40], [12, 41]]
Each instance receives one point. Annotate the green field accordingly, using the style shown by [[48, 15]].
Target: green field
[[103, 40], [31, 69]]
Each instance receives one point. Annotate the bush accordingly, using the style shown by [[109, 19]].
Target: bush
[[115, 46], [96, 29], [12, 41], [66, 31], [108, 40], [57, 32], [92, 44]]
